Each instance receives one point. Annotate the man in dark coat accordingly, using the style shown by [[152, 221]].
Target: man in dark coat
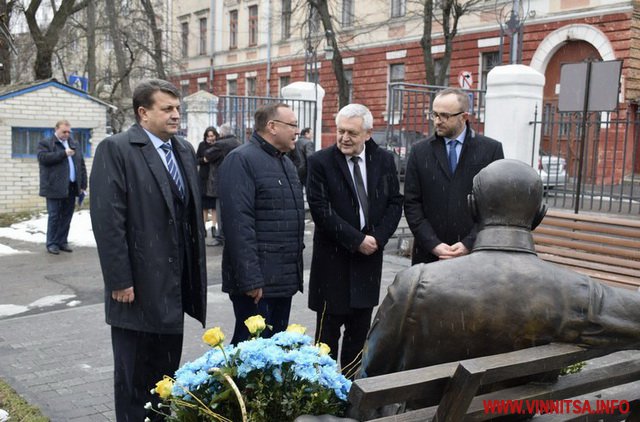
[[300, 155], [263, 218], [147, 220], [215, 155], [63, 177], [351, 230], [500, 298], [438, 178]]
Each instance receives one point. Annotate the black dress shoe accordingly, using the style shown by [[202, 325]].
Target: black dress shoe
[[53, 250], [66, 248]]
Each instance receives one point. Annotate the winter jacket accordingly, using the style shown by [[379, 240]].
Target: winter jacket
[[54, 168], [263, 219]]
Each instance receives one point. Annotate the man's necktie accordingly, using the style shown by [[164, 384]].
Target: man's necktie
[[360, 189], [453, 155], [172, 166]]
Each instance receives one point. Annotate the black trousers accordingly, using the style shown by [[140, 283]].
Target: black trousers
[[140, 361], [274, 310], [356, 326]]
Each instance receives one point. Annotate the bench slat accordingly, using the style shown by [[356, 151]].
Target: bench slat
[[608, 229], [603, 238], [614, 269], [589, 247], [630, 223], [608, 260]]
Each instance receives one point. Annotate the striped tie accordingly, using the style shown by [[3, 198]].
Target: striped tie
[[172, 166]]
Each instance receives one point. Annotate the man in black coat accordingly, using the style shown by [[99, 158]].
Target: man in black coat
[[355, 202], [147, 220], [63, 177], [263, 218], [438, 178]]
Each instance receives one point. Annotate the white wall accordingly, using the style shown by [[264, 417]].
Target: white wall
[[40, 108]]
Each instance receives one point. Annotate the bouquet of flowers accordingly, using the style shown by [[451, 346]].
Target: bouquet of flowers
[[259, 380]]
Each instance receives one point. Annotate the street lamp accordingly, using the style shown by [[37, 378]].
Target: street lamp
[[511, 18]]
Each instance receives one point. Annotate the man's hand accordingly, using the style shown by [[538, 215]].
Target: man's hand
[[124, 295], [368, 246], [458, 249], [256, 294], [444, 251], [69, 152]]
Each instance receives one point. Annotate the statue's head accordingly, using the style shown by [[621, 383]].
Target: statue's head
[[507, 193]]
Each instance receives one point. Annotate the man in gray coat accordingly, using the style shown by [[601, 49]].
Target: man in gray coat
[[63, 176], [147, 220]]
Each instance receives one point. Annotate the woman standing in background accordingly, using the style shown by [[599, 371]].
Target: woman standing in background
[[208, 198]]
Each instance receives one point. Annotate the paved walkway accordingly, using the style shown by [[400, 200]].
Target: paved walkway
[[61, 360]]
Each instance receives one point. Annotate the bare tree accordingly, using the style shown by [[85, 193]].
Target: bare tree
[[447, 13], [6, 10], [92, 71], [157, 52], [46, 41]]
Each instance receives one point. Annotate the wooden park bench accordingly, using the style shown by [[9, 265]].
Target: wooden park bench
[[452, 391], [602, 247]]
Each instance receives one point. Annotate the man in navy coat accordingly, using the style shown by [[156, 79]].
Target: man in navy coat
[[63, 176], [438, 178], [355, 202]]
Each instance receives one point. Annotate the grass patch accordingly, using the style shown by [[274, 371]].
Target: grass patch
[[18, 408], [9, 218]]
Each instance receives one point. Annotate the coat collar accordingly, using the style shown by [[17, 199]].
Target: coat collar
[[372, 176], [440, 150]]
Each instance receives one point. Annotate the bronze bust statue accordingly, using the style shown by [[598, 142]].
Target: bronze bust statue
[[499, 298]]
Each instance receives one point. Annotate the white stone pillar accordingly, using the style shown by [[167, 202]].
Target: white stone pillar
[[513, 92], [310, 92], [202, 109]]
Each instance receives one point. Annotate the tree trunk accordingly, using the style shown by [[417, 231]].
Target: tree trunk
[[91, 48], [157, 38], [336, 63], [425, 42], [6, 10], [118, 49]]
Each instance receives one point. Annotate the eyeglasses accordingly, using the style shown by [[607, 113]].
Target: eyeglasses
[[293, 125], [433, 115]]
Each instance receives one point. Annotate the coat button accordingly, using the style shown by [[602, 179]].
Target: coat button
[[170, 259], [170, 221]]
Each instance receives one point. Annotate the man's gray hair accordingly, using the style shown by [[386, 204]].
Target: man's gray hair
[[357, 110], [225, 129]]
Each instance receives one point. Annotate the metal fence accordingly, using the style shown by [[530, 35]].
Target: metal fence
[[239, 112], [408, 107], [590, 163]]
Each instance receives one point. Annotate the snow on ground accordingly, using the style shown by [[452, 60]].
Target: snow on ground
[[35, 231]]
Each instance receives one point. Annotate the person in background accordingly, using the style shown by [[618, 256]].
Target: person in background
[[63, 177], [215, 155], [147, 221], [355, 201], [300, 155], [439, 177], [204, 170], [263, 219]]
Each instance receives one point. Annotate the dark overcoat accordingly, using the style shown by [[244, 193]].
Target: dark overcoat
[[134, 223], [435, 201], [54, 168], [342, 277]]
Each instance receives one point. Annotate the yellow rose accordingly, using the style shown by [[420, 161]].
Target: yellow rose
[[213, 336], [164, 387], [324, 348], [256, 324], [296, 328]]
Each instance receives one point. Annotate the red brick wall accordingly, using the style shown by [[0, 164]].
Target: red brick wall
[[370, 71]]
